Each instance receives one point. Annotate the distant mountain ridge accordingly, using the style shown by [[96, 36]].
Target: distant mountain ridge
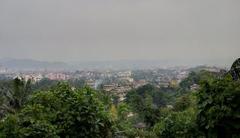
[[29, 64]]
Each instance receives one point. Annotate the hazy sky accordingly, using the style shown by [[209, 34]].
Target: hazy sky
[[92, 30]]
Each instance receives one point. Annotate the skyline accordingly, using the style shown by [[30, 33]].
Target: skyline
[[81, 31]]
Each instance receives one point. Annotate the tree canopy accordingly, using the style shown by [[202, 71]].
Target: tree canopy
[[60, 112]]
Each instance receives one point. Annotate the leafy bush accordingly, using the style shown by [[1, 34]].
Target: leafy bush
[[178, 125], [61, 112], [219, 107]]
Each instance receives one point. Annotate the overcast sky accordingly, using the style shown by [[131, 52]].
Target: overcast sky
[[93, 30]]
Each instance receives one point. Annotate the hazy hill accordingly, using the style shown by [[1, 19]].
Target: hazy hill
[[29, 64]]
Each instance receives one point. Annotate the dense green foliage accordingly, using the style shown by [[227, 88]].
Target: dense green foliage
[[178, 125], [197, 77], [14, 94], [146, 101], [45, 84], [219, 108], [60, 112], [136, 97]]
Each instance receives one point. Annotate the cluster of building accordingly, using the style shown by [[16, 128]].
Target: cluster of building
[[36, 77], [117, 82]]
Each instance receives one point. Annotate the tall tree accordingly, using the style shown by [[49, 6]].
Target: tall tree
[[14, 96]]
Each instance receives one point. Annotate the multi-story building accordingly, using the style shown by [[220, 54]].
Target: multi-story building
[[57, 76]]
